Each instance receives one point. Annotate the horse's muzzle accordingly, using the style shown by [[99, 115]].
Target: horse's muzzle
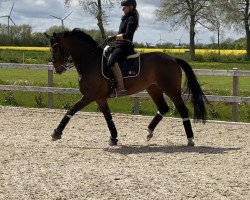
[[61, 70]]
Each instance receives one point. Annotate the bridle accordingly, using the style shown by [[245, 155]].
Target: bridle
[[68, 59]]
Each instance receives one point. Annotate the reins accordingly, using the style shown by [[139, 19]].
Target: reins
[[103, 44]]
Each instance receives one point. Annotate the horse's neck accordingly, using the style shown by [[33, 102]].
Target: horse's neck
[[85, 59], [85, 55]]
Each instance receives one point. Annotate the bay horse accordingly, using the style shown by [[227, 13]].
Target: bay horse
[[160, 74]]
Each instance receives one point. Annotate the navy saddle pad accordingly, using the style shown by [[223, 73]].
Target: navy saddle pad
[[130, 67]]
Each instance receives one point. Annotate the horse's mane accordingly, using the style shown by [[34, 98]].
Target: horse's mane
[[82, 35]]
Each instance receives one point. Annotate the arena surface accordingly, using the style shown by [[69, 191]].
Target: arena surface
[[83, 166]]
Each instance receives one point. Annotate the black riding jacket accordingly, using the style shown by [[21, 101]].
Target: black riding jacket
[[128, 27]]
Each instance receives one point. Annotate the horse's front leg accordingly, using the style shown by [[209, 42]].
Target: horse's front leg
[[57, 134], [103, 105]]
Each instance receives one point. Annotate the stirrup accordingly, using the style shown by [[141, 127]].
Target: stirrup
[[118, 93], [121, 92]]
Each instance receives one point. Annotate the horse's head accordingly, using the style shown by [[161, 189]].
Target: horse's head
[[60, 55]]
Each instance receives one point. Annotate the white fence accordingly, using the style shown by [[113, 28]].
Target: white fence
[[234, 99]]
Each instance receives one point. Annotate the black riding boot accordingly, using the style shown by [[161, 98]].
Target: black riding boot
[[121, 91]]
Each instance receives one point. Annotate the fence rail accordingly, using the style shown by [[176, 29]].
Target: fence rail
[[234, 99]]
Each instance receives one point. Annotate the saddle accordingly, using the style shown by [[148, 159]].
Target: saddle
[[129, 67]]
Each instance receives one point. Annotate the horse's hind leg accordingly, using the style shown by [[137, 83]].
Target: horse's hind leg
[[157, 96], [103, 106], [57, 134], [182, 109]]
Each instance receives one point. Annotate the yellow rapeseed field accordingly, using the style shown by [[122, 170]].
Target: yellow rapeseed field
[[197, 51], [174, 51], [17, 48]]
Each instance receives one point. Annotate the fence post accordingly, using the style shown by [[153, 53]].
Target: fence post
[[50, 84], [136, 108], [235, 93]]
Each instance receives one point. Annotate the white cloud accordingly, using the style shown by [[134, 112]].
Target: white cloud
[[37, 14]]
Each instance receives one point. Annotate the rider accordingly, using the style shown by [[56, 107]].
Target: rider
[[124, 38]]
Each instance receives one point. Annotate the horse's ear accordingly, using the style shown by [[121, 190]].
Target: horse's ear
[[48, 36]]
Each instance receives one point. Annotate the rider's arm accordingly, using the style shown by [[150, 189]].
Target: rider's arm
[[130, 30]]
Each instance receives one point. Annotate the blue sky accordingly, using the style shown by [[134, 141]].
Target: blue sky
[[37, 14]]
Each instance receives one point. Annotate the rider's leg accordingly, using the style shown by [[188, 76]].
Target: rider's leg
[[116, 56], [118, 78]]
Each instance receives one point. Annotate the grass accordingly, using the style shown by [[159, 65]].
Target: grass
[[220, 66], [43, 57], [215, 85], [218, 85], [211, 85], [27, 57], [37, 77], [216, 111]]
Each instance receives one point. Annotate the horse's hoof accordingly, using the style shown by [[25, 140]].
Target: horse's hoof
[[149, 136], [56, 135], [190, 142], [113, 141]]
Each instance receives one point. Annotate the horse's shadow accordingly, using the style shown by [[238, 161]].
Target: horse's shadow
[[137, 149]]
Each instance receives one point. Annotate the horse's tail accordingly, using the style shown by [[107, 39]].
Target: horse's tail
[[193, 88]]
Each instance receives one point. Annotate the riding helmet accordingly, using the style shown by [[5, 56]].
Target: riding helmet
[[129, 3]]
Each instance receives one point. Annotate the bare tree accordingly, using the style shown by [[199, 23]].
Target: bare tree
[[237, 15], [97, 9], [186, 13], [212, 20]]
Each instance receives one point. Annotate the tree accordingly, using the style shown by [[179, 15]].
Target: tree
[[240, 43], [39, 40], [212, 20], [56, 29], [237, 15], [186, 13], [97, 9], [18, 34]]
